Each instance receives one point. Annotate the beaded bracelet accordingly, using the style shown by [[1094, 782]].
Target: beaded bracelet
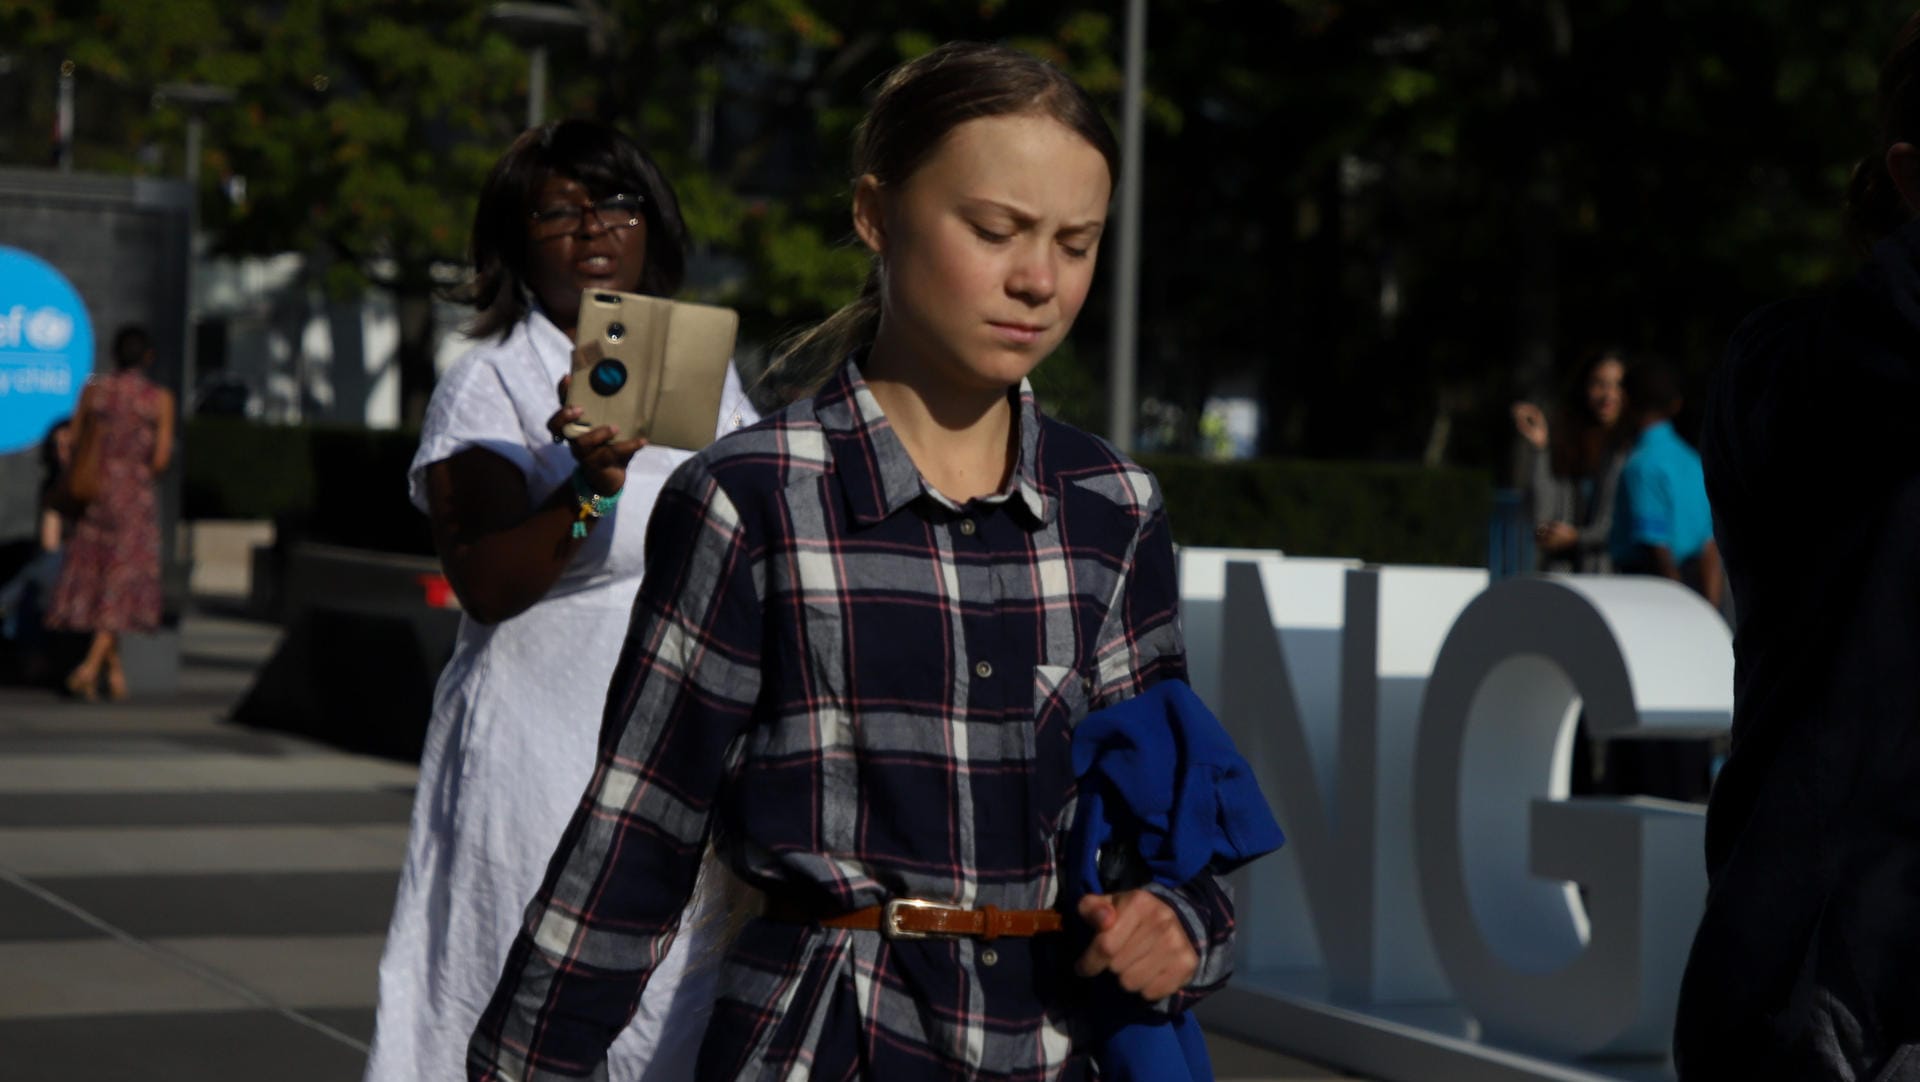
[[592, 504]]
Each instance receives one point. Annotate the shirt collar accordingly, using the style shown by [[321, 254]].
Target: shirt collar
[[879, 476], [549, 342], [1658, 432]]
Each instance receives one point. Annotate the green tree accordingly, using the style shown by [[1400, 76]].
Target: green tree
[[1389, 218], [362, 132], [117, 53], [1454, 200], [359, 128], [362, 129], [751, 105]]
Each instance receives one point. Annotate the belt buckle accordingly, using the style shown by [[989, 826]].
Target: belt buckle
[[890, 918]]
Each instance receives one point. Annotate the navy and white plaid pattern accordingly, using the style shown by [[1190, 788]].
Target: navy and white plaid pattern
[[865, 692]]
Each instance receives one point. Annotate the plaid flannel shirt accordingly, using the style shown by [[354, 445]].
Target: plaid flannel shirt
[[864, 691]]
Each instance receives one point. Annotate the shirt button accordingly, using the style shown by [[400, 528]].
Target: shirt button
[[967, 527], [983, 670], [989, 957]]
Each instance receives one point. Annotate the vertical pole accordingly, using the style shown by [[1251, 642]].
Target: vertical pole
[[536, 85], [1126, 277], [194, 135], [63, 120], [196, 132]]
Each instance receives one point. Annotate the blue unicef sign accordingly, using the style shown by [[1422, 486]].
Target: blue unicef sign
[[46, 348]]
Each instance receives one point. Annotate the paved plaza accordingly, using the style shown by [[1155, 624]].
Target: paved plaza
[[183, 898]]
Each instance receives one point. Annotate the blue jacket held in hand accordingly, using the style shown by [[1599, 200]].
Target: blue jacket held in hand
[[1158, 779]]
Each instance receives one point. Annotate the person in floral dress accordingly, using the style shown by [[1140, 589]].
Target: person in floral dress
[[110, 582]]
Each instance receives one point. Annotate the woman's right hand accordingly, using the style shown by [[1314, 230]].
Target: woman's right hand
[[602, 457], [1531, 422]]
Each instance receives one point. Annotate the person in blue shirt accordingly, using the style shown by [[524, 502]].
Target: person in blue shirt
[[1662, 524]]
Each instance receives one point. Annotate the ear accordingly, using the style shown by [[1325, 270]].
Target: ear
[[870, 213], [1903, 163]]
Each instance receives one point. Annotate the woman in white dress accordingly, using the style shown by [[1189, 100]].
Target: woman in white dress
[[571, 205]]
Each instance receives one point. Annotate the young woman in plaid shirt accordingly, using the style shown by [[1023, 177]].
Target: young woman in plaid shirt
[[867, 628]]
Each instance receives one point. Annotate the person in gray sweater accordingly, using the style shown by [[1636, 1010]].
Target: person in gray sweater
[[1573, 468]]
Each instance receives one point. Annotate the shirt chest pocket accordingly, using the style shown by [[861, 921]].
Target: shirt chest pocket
[[1062, 695]]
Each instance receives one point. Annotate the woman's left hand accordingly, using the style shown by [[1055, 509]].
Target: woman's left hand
[[602, 455], [1557, 536], [1140, 940]]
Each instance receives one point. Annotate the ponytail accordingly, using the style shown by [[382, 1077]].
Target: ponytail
[[804, 363]]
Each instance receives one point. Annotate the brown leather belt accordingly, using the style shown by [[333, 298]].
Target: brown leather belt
[[915, 918]]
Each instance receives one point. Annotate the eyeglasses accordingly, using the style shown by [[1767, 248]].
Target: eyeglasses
[[613, 212]]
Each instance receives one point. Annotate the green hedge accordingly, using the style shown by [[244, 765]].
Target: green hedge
[[238, 469], [332, 483], [347, 486], [1376, 511]]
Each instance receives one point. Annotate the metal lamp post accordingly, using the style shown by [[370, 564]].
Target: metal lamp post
[[63, 119], [537, 26], [196, 99], [1126, 263]]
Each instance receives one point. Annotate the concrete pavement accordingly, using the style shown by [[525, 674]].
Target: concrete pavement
[[181, 898]]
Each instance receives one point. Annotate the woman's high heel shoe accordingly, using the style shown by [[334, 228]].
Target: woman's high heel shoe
[[84, 685]]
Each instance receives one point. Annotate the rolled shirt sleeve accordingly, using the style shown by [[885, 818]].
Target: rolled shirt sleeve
[[1205, 909], [1142, 645], [684, 689], [1651, 503], [473, 407]]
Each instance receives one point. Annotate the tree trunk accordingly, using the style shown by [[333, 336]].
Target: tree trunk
[[414, 304], [1536, 300], [1536, 306], [1325, 423]]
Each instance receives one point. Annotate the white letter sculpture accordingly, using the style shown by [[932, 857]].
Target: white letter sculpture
[[1499, 846]]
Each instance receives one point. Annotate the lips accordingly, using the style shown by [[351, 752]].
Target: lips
[[1020, 333], [596, 266]]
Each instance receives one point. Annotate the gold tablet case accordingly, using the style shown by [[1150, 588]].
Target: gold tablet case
[[675, 355]]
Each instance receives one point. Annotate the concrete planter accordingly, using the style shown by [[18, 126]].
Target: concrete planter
[[364, 646]]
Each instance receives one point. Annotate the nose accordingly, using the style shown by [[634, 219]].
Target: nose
[[1033, 277], [591, 223]]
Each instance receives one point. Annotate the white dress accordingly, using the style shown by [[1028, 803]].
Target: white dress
[[512, 743]]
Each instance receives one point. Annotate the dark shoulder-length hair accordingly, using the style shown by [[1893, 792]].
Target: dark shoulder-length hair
[[50, 464], [1580, 445], [608, 163], [131, 345]]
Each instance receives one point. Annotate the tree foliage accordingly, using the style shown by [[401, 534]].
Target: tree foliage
[[1453, 201], [1384, 219]]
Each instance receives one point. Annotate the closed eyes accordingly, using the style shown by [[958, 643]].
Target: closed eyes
[[994, 237]]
